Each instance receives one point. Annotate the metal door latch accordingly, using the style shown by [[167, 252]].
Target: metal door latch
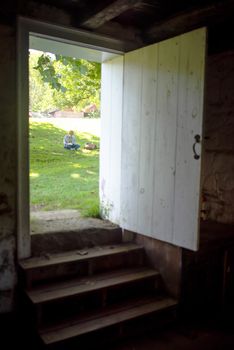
[[197, 140]]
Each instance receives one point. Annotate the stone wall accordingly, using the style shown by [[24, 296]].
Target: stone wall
[[7, 165], [218, 156], [8, 137], [167, 259]]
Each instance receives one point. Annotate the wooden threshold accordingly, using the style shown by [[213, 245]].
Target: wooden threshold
[[106, 319], [78, 255], [79, 286]]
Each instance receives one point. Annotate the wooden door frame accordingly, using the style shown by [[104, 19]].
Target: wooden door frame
[[25, 28]]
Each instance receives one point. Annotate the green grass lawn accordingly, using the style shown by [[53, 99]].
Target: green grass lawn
[[59, 178]]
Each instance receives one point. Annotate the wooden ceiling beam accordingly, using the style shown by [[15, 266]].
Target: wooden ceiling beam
[[131, 36], [113, 10], [189, 20]]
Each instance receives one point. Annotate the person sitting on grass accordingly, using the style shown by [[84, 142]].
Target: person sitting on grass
[[69, 141]]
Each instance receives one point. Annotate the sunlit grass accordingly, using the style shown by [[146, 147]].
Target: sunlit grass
[[33, 174], [59, 178]]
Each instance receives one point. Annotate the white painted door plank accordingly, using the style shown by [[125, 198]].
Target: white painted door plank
[[115, 140], [130, 139], [164, 162], [190, 115], [162, 112], [147, 139], [104, 173]]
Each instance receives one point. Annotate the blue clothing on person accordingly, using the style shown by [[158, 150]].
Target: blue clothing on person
[[69, 141]]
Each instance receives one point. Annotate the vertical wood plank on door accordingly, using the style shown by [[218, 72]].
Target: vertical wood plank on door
[[110, 148], [115, 139], [147, 139], [148, 154], [190, 114], [131, 139], [165, 137], [104, 172]]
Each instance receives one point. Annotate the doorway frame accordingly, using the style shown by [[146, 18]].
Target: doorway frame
[[25, 28]]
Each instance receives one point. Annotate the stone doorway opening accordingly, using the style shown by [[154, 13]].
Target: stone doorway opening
[[90, 47]]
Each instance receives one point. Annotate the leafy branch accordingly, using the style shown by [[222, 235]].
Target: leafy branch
[[73, 80]]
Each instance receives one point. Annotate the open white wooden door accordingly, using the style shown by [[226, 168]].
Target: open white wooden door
[[162, 114], [152, 111]]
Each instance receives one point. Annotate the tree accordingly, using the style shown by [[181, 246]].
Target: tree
[[75, 82], [41, 95]]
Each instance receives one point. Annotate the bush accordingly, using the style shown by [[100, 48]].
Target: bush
[[95, 114]]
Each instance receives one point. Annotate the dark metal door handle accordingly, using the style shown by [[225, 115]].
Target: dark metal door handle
[[197, 140]]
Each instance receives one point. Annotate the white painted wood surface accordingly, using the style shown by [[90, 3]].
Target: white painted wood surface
[[189, 123], [162, 111], [165, 139], [110, 148], [147, 137], [131, 139]]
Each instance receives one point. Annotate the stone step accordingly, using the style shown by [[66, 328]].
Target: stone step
[[80, 286], [81, 262], [61, 236], [108, 317]]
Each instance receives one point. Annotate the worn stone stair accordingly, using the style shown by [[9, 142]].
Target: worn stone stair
[[88, 290]]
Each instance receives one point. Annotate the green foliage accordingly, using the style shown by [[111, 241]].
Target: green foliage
[[75, 82], [95, 114], [59, 178], [93, 211], [47, 71], [40, 93]]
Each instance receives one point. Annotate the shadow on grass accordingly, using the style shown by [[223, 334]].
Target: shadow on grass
[[59, 178]]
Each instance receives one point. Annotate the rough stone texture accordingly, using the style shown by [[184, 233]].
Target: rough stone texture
[[8, 127], [7, 131], [6, 301], [207, 282], [8, 155], [218, 159], [45, 13], [61, 221], [166, 258], [7, 263], [64, 230]]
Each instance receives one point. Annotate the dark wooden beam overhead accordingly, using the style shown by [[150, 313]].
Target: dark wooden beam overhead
[[189, 20], [131, 36], [108, 13]]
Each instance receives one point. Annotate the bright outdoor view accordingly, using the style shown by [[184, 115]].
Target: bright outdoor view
[[64, 100]]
